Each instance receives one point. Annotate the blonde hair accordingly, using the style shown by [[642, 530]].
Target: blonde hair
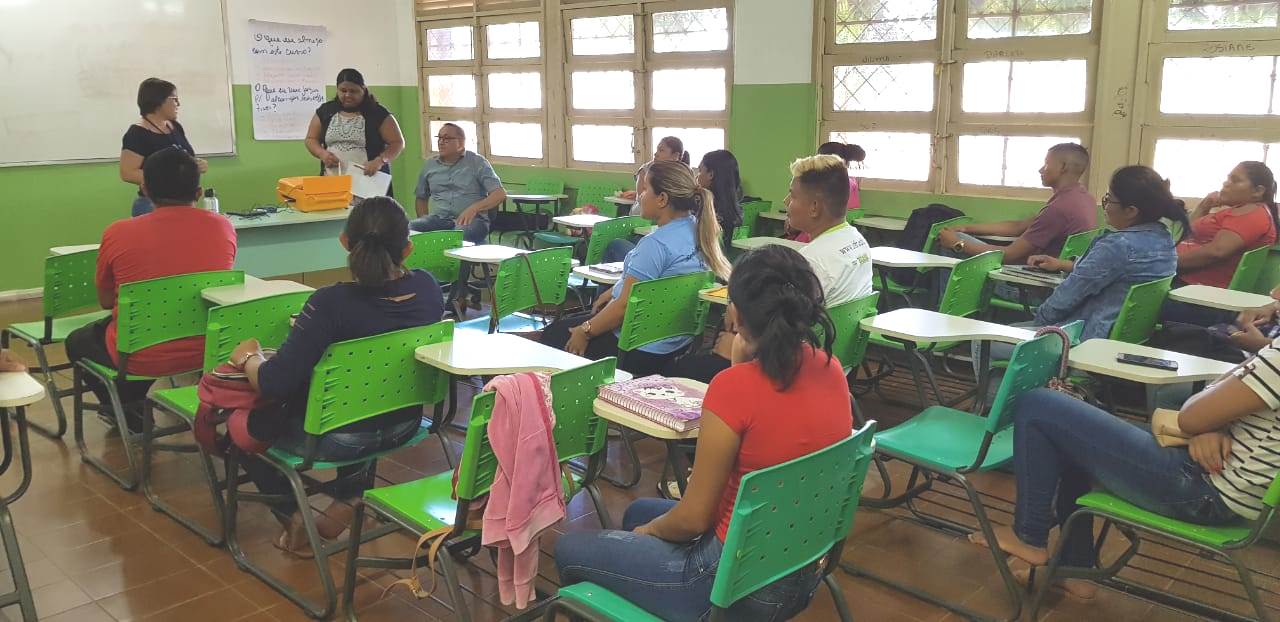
[[683, 194], [817, 164], [828, 177]]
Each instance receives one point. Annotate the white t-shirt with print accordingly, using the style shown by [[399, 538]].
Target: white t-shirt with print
[[841, 259]]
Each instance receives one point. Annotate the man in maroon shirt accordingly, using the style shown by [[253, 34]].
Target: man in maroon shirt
[[177, 238]]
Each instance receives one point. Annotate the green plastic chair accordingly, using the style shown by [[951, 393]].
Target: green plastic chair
[[1073, 248], [354, 381], [537, 216], [607, 231], [428, 254], [854, 215], [68, 288], [951, 444], [594, 194], [525, 282], [1140, 310], [1245, 278], [818, 492], [659, 309], [751, 211], [434, 503], [1229, 542], [850, 343], [906, 291], [149, 312], [264, 319]]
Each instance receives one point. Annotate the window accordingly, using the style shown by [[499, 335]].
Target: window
[[975, 107], [1213, 101], [635, 77], [496, 95]]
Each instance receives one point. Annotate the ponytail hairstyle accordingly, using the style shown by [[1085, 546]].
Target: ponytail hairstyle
[[675, 145], [377, 233], [1260, 174], [726, 185], [1142, 188], [683, 195], [850, 153], [781, 307]]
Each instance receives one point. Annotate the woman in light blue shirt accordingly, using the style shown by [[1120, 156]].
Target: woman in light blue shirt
[[683, 242]]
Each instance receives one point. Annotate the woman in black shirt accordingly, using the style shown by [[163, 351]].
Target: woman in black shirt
[[157, 129], [354, 128]]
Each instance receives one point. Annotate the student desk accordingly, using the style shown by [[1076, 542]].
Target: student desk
[[290, 242], [912, 327], [19, 389], [774, 215], [1098, 356], [486, 256], [579, 221], [1049, 281], [885, 223], [591, 274], [621, 205], [748, 244], [718, 295], [1219, 298], [670, 437], [252, 289], [894, 257], [77, 248]]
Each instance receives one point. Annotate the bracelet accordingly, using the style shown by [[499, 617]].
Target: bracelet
[[245, 360]]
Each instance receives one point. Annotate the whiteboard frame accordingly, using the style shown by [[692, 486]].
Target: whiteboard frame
[[231, 104]]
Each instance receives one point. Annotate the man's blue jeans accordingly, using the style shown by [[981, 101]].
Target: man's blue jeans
[[476, 232]]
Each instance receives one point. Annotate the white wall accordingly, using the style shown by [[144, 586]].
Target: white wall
[[773, 41], [376, 37]]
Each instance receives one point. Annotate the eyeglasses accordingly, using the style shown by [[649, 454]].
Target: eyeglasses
[[445, 139], [1107, 199]]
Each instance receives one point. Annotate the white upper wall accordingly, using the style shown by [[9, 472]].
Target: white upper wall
[[773, 41], [377, 37]]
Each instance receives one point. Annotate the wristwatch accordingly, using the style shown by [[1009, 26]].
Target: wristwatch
[[958, 246], [245, 361], [586, 328]]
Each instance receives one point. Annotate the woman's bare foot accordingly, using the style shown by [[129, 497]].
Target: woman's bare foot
[[1078, 589], [1011, 544], [293, 539], [335, 519]]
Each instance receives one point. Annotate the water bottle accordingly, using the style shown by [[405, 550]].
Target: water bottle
[[210, 201]]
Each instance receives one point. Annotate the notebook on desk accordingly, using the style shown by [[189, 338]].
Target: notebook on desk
[[1027, 272], [664, 401]]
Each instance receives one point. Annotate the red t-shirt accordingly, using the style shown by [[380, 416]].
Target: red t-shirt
[[168, 241], [773, 426], [1256, 228]]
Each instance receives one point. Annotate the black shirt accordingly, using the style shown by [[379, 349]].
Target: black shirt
[[145, 142]]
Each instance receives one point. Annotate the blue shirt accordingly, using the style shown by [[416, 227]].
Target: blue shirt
[[671, 250], [453, 188], [1096, 287]]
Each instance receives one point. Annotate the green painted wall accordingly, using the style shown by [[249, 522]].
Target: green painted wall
[[44, 206], [769, 126]]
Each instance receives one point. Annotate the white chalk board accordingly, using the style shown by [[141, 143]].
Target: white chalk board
[[71, 71]]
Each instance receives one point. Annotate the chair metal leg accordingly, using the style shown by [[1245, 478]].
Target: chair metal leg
[[21, 594], [129, 481], [353, 556], [837, 597], [216, 536], [637, 471], [460, 610], [50, 384]]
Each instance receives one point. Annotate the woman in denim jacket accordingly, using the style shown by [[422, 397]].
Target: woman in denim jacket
[[1136, 250]]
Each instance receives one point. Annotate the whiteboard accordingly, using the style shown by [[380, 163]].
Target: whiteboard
[[72, 67]]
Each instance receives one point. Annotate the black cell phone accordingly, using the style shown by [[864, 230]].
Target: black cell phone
[[1147, 361]]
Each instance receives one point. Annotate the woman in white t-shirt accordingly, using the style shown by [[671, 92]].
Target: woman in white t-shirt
[[1063, 445]]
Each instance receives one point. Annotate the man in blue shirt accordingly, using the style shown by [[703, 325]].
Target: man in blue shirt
[[461, 186]]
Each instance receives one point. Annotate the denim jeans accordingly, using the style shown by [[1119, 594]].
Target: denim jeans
[[334, 447], [476, 232], [142, 205], [638, 362], [1061, 445], [617, 250], [668, 579]]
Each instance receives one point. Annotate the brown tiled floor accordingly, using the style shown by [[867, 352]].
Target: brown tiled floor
[[95, 552]]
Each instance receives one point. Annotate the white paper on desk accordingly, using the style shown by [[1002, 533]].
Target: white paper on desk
[[365, 186]]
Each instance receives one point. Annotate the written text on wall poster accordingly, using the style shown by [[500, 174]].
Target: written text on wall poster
[[287, 62]]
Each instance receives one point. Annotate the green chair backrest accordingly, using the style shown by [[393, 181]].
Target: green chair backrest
[[662, 308], [850, 345], [751, 211], [579, 431], [789, 515], [607, 231], [1077, 243], [1140, 310], [428, 254], [968, 289], [853, 215], [931, 242], [544, 185], [594, 194], [1249, 269], [1033, 363], [514, 286], [264, 319], [1074, 330], [478, 465], [69, 283], [366, 377], [164, 309]]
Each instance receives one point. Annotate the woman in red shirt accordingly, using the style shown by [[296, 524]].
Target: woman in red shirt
[[776, 403], [1238, 218]]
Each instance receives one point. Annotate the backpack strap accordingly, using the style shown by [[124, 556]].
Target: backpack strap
[[433, 539]]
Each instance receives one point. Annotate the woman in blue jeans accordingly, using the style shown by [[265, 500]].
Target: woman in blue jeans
[[1062, 446], [774, 404], [384, 297]]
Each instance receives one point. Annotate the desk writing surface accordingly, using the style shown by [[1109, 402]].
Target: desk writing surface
[[472, 353], [536, 198], [75, 248], [774, 215], [620, 201], [1098, 356], [580, 221], [18, 388], [252, 289], [894, 257], [718, 295], [748, 244], [1050, 282], [288, 217], [1219, 298], [886, 223], [484, 253], [604, 278], [924, 326]]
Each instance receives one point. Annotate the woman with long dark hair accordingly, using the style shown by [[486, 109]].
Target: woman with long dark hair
[[718, 172], [353, 128]]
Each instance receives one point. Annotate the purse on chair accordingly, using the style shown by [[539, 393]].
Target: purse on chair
[[1060, 382]]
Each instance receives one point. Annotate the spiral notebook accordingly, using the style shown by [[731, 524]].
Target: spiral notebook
[[661, 400]]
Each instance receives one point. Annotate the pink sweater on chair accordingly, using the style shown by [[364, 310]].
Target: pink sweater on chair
[[526, 495]]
